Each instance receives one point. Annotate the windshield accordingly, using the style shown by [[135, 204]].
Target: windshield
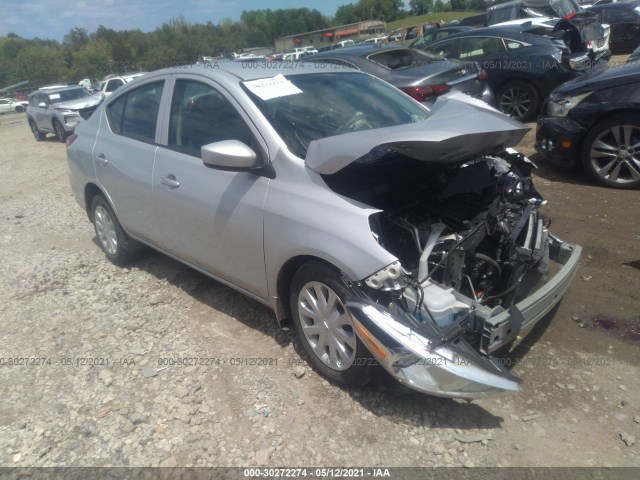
[[331, 104], [66, 95]]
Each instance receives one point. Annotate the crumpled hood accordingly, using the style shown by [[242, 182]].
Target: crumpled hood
[[81, 103], [459, 129]]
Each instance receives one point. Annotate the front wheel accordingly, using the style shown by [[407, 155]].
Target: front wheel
[[115, 243], [611, 152], [61, 135], [519, 100], [325, 327]]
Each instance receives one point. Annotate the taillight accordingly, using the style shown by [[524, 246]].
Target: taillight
[[71, 138], [570, 16], [425, 92], [483, 76]]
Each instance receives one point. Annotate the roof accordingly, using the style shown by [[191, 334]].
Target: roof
[[503, 32], [57, 89], [360, 50], [245, 70]]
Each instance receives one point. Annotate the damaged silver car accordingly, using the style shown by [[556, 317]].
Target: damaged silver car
[[389, 233]]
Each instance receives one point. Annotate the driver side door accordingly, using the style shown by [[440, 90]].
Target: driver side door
[[211, 218]]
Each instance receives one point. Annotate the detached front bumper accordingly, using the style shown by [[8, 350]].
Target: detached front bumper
[[441, 362]]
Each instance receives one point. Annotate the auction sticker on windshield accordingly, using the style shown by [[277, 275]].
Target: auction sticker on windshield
[[268, 88]]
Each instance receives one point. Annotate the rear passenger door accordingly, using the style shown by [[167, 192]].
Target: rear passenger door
[[211, 218], [124, 153]]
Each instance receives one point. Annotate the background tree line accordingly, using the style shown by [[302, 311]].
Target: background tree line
[[84, 54]]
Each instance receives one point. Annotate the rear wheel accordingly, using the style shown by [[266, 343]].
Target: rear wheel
[[39, 136], [61, 135], [115, 243], [611, 152], [20, 109], [518, 100], [325, 328]]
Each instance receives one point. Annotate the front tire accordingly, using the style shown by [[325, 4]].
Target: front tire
[[611, 152], [519, 100], [61, 135], [39, 136], [325, 328], [115, 243]]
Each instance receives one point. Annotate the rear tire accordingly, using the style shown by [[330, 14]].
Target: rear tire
[[325, 328], [519, 100], [39, 136], [115, 243]]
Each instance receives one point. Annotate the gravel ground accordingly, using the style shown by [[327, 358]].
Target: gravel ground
[[102, 385]]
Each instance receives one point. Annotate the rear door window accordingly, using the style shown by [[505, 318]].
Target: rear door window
[[135, 114], [472, 48]]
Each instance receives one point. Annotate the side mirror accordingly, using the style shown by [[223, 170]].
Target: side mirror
[[229, 155], [42, 105]]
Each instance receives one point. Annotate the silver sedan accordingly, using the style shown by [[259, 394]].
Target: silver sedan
[[389, 233]]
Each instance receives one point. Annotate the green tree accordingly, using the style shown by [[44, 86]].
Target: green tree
[[345, 14], [420, 7]]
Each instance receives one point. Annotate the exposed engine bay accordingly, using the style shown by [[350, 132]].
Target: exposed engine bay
[[465, 235]]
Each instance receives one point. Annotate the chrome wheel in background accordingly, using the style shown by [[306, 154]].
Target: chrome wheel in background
[[611, 152], [518, 100], [615, 154]]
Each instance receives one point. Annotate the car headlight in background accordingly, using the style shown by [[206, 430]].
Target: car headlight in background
[[561, 107]]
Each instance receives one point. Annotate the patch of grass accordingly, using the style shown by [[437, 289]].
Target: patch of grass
[[440, 17]]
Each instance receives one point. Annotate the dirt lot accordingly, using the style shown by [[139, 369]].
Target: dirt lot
[[99, 388]]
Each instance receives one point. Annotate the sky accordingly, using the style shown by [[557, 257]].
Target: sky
[[52, 19]]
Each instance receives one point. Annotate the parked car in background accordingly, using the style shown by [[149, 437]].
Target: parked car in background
[[624, 19], [566, 31], [59, 110], [413, 239], [523, 68], [595, 121], [420, 75], [112, 83], [581, 30], [10, 105]]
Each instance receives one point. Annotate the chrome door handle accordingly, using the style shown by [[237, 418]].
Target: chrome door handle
[[170, 181], [101, 159]]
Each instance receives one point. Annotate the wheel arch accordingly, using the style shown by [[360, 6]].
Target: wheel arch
[[598, 120], [90, 192], [283, 284]]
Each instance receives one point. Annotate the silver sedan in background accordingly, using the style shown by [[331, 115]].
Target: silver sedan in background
[[389, 233]]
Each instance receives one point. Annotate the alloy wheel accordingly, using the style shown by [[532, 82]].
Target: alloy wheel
[[515, 101], [327, 326], [615, 154], [106, 230]]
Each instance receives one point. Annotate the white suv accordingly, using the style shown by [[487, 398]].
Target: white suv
[[110, 84]]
